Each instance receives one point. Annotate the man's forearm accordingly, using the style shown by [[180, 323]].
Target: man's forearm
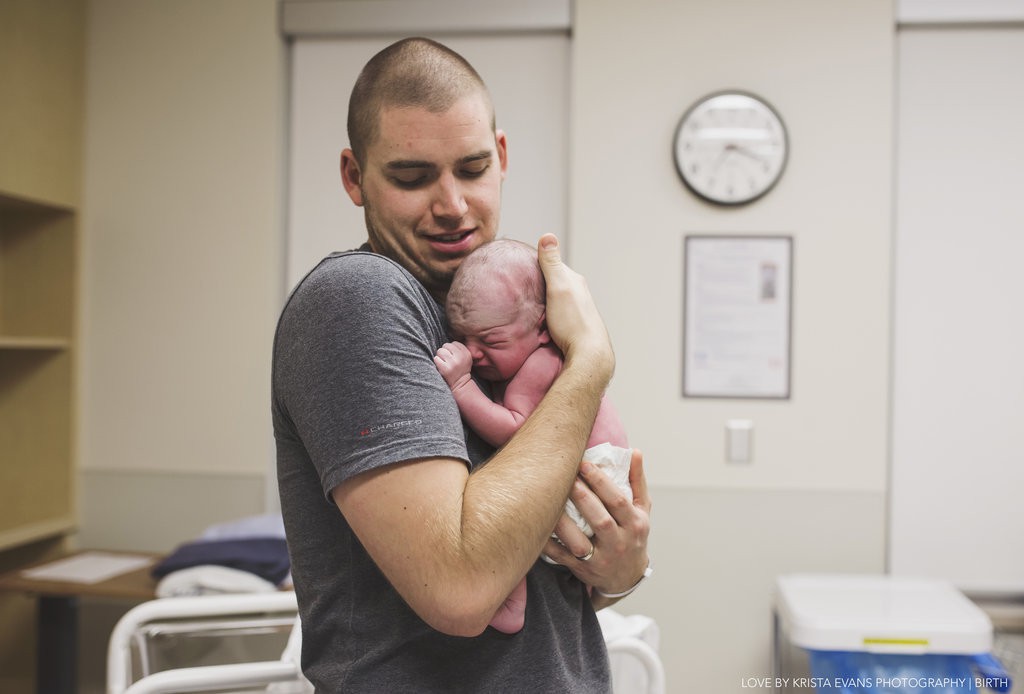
[[454, 548], [512, 503]]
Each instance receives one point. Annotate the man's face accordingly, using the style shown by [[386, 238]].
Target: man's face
[[430, 187]]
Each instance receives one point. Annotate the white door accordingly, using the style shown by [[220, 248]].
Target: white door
[[528, 76], [958, 355]]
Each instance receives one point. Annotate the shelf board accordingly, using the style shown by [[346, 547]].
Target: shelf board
[[30, 343], [40, 530], [19, 203]]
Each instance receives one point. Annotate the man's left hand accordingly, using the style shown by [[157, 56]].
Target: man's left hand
[[614, 559]]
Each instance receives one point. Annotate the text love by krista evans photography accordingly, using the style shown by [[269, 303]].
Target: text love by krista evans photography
[[877, 684]]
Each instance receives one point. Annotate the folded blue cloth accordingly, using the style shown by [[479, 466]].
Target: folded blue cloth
[[267, 557], [266, 525]]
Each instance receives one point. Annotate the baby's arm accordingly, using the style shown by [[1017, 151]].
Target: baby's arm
[[526, 389], [493, 422]]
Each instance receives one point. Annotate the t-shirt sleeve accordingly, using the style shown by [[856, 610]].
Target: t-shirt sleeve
[[354, 371]]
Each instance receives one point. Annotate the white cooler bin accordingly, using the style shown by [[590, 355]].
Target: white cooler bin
[[874, 634]]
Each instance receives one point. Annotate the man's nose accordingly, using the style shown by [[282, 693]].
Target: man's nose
[[449, 202]]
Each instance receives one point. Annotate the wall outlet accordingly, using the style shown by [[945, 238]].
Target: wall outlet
[[739, 440]]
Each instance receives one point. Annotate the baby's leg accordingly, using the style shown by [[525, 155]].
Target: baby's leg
[[511, 615]]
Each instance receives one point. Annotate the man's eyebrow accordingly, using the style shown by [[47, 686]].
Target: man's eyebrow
[[478, 156], [400, 164]]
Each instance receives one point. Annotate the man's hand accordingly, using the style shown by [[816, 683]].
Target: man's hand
[[621, 526], [572, 318], [454, 362]]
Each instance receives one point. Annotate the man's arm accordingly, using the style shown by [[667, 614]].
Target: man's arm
[[496, 422], [454, 544]]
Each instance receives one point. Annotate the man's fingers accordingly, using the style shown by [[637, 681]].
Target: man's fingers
[[576, 543], [605, 500], [548, 254], [572, 318], [638, 481]]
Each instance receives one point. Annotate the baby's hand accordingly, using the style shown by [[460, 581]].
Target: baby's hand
[[454, 362]]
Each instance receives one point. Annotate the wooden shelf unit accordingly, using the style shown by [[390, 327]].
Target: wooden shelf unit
[[42, 83], [37, 280]]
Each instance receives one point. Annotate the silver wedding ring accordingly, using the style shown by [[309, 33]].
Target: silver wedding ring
[[588, 555]]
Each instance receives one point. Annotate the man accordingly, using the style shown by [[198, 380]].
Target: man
[[403, 542]]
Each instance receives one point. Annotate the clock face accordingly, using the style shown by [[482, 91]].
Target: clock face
[[730, 148]]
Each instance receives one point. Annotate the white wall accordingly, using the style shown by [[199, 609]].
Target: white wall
[[181, 263], [814, 496], [828, 69]]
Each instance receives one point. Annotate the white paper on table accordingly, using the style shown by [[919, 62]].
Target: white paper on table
[[89, 567]]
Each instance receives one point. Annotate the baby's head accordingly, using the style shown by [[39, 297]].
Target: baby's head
[[496, 307]]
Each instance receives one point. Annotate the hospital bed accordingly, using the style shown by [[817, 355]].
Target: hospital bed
[[632, 647]]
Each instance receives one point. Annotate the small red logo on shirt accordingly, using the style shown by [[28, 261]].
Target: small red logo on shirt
[[366, 431]]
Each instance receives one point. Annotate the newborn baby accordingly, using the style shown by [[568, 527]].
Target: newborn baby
[[496, 310]]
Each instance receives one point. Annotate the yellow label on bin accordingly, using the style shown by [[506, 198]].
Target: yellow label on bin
[[895, 642]]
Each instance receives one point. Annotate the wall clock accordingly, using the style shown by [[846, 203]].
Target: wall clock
[[730, 148]]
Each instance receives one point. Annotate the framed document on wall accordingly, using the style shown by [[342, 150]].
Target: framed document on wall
[[737, 310]]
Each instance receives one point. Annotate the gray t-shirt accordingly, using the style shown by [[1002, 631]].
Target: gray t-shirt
[[354, 388]]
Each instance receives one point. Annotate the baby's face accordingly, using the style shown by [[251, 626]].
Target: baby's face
[[500, 342]]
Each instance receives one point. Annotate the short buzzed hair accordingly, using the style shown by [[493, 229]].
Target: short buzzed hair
[[504, 263], [413, 72]]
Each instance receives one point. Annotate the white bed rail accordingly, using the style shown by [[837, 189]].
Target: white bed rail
[[119, 652], [634, 638]]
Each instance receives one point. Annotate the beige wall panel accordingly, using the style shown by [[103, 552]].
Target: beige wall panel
[[155, 512], [182, 234], [958, 390], [716, 554]]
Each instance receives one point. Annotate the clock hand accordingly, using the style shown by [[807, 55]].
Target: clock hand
[[721, 157], [745, 151]]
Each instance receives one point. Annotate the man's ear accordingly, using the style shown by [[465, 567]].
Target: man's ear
[[501, 143], [352, 176]]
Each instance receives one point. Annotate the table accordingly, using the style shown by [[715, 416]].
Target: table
[[57, 613]]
